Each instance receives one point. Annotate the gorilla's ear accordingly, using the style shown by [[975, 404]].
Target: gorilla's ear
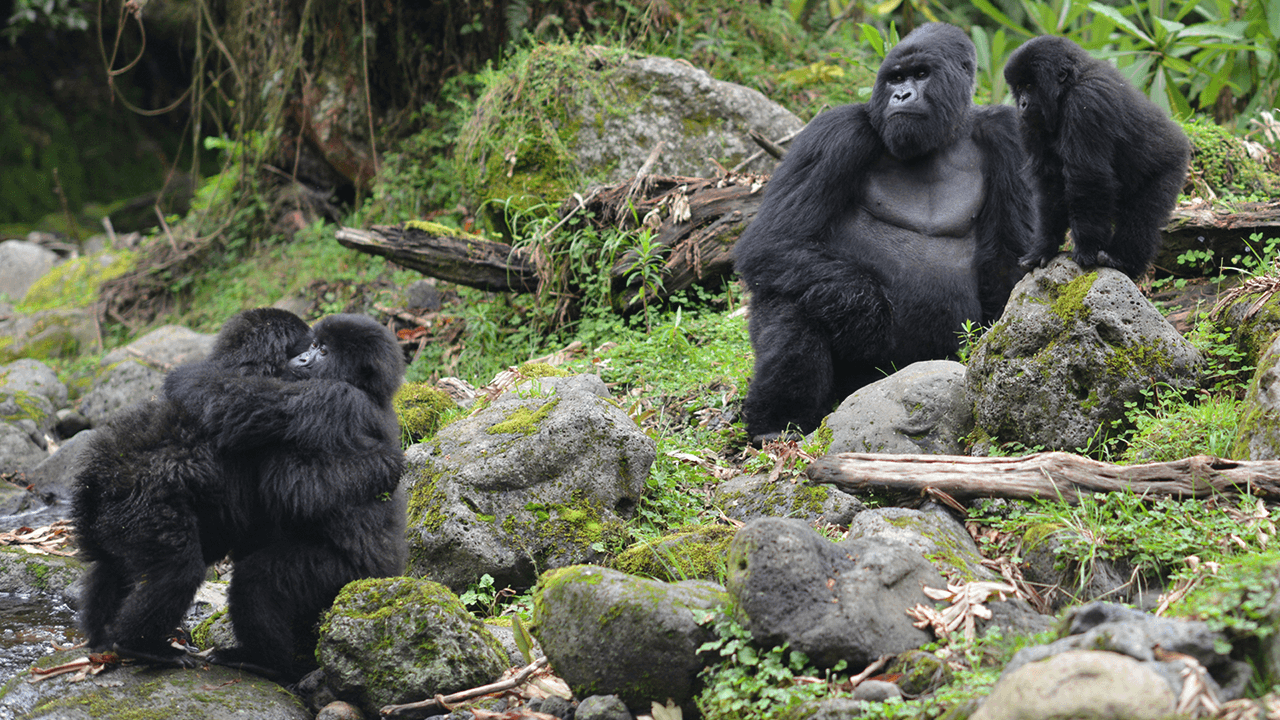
[[1066, 73]]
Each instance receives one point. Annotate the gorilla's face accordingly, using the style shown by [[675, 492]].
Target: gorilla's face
[[1039, 73], [923, 91]]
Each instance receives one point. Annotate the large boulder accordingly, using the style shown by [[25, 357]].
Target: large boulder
[[1070, 355], [831, 601], [542, 477], [21, 264], [920, 410], [1258, 431], [399, 640], [142, 691], [609, 633]]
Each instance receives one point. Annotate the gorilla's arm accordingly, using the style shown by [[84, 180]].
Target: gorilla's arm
[[787, 247], [1006, 224], [1087, 145], [241, 413]]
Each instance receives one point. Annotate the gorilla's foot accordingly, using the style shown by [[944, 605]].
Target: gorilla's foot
[[170, 657], [239, 658]]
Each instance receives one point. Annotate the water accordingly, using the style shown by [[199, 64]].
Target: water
[[29, 628]]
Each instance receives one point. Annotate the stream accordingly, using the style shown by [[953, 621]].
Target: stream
[[30, 625]]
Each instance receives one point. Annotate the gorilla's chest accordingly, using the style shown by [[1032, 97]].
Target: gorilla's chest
[[939, 196]]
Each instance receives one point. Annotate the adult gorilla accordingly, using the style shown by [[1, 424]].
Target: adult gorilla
[[154, 507], [887, 226], [328, 464]]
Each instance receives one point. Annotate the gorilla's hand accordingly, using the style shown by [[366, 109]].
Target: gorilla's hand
[[855, 312]]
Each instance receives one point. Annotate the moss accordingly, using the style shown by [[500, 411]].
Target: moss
[[420, 409], [1222, 161], [693, 552], [1255, 420], [580, 522], [819, 440], [439, 230], [75, 283], [29, 407], [1068, 302], [426, 500], [523, 421], [541, 370], [201, 634]]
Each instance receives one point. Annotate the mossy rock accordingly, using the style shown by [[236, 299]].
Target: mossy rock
[[695, 552]]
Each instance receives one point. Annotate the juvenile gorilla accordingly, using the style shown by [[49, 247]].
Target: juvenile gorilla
[[154, 506], [328, 464], [886, 227], [1101, 153]]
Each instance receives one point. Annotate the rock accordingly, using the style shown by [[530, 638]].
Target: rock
[[141, 691], [422, 295], [606, 632], [70, 422], [876, 691], [120, 386], [164, 348], [21, 264], [831, 601], [1115, 628], [21, 572], [1258, 431], [748, 497], [57, 333], [1071, 350], [390, 641], [921, 409], [53, 477], [531, 482], [339, 710], [602, 707], [17, 450], [693, 553], [35, 378], [1080, 684]]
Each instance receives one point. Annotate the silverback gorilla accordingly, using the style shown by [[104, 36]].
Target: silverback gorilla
[[887, 225], [326, 454], [1100, 152], [154, 507]]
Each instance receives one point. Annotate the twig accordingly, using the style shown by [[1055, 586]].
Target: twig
[[761, 153], [444, 701]]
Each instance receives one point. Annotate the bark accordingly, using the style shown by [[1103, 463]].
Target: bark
[[461, 258], [1045, 476]]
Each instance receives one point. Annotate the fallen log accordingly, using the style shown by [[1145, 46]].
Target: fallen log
[[447, 254], [1045, 476]]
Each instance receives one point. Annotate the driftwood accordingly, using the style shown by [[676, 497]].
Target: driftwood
[[461, 258], [1045, 476]]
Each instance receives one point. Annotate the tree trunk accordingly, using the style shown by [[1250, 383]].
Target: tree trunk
[[1045, 476]]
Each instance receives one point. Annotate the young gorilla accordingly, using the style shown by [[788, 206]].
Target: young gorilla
[[153, 506], [885, 228], [1101, 153], [328, 459]]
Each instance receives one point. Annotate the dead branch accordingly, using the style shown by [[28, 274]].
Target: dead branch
[[461, 258], [445, 701], [1045, 476]]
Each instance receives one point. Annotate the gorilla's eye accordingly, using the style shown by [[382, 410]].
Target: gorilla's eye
[[922, 73], [324, 350]]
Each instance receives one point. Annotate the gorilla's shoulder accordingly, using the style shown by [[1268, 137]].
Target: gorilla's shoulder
[[841, 122], [994, 125]]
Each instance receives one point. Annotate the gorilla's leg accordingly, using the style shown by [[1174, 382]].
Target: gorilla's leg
[[794, 374], [168, 567], [277, 594], [105, 587]]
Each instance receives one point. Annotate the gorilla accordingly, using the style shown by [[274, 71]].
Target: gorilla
[[326, 459], [1108, 162], [885, 228], [153, 507]]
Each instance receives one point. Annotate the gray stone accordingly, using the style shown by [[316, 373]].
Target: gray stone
[[214, 693], [164, 348], [17, 450], [876, 691], [921, 409], [747, 497], [606, 632], [21, 264], [64, 332], [33, 377], [1071, 350], [118, 387], [602, 707], [1080, 684], [1258, 432], [399, 640], [540, 478], [831, 601], [54, 476], [697, 116]]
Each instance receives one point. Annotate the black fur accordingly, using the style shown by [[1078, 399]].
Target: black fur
[[850, 272], [154, 506], [1101, 152], [328, 465]]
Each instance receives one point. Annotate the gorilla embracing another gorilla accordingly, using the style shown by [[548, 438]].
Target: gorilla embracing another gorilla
[[290, 465], [885, 228]]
